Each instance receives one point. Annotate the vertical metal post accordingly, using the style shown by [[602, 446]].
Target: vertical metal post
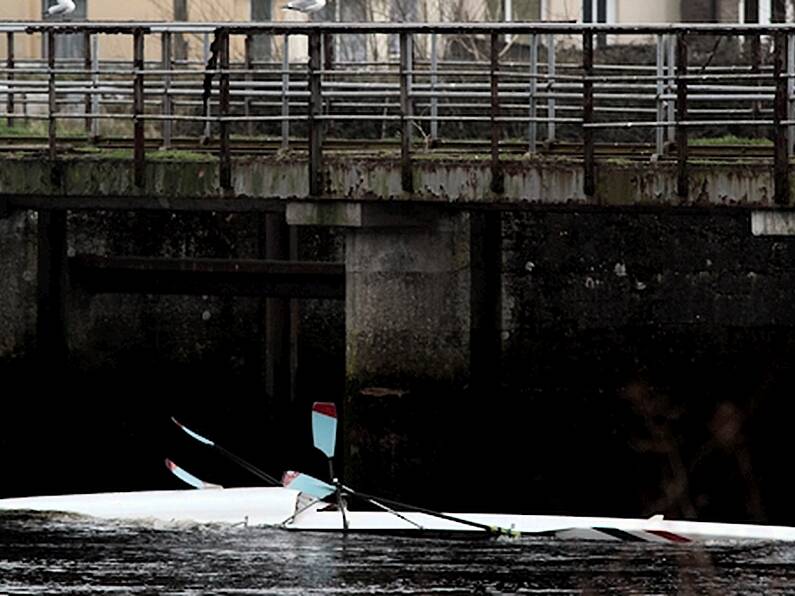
[[790, 93], [406, 64], [551, 102], [285, 93], [166, 105], [532, 127], [10, 76], [780, 132], [87, 62], [315, 110], [660, 130], [589, 162], [225, 159], [205, 59], [682, 178], [328, 65], [434, 81], [249, 60], [95, 86], [138, 107], [497, 174], [51, 124], [670, 85]]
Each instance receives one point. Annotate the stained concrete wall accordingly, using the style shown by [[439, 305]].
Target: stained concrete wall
[[644, 361], [18, 288]]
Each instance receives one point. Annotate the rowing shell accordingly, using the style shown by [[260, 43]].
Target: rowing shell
[[272, 506]]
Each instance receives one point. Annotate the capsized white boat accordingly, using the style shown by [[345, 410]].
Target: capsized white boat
[[274, 506], [300, 504]]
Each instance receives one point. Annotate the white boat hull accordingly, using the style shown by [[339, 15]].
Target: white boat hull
[[272, 506]]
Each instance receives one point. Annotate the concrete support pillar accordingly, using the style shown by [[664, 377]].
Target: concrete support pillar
[[422, 289]]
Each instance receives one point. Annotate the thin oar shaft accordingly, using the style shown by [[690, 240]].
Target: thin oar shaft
[[459, 520], [228, 454], [385, 508]]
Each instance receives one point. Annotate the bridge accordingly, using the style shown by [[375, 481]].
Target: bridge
[[422, 142]]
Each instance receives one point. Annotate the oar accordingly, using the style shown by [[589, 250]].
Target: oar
[[189, 478], [229, 455], [324, 435], [496, 530], [309, 481]]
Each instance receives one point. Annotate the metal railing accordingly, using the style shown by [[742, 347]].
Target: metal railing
[[522, 83]]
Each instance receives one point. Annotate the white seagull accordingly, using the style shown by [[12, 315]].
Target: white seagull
[[301, 5], [63, 7]]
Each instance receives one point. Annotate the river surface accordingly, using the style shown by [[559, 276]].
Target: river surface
[[65, 554]]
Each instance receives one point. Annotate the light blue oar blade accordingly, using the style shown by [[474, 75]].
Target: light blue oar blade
[[193, 434], [307, 484], [188, 478], [324, 426]]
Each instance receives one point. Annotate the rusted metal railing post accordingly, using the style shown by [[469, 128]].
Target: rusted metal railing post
[[790, 93], [682, 177], [497, 174], [95, 87], [328, 65], [286, 93], [225, 159], [659, 131], [532, 127], [434, 82], [670, 84], [10, 76], [51, 123], [589, 162], [551, 101], [315, 110], [780, 131], [138, 108], [166, 105], [406, 65], [87, 63], [249, 65]]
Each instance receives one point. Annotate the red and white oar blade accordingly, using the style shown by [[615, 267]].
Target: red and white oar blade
[[324, 426], [307, 484], [188, 478]]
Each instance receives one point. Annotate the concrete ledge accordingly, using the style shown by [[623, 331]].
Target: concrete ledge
[[460, 181], [773, 223]]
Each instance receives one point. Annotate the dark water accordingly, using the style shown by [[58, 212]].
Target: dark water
[[45, 554]]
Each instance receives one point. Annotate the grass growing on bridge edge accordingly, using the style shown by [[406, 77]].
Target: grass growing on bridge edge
[[730, 140]]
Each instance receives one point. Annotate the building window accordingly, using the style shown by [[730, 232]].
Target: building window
[[67, 45], [765, 8], [599, 11], [513, 10]]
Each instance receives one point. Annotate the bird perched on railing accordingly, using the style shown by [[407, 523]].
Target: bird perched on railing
[[62, 7], [304, 5]]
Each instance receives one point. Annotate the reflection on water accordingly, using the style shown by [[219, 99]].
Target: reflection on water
[[60, 554]]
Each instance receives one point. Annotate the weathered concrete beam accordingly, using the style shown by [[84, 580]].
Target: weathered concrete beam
[[457, 181]]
